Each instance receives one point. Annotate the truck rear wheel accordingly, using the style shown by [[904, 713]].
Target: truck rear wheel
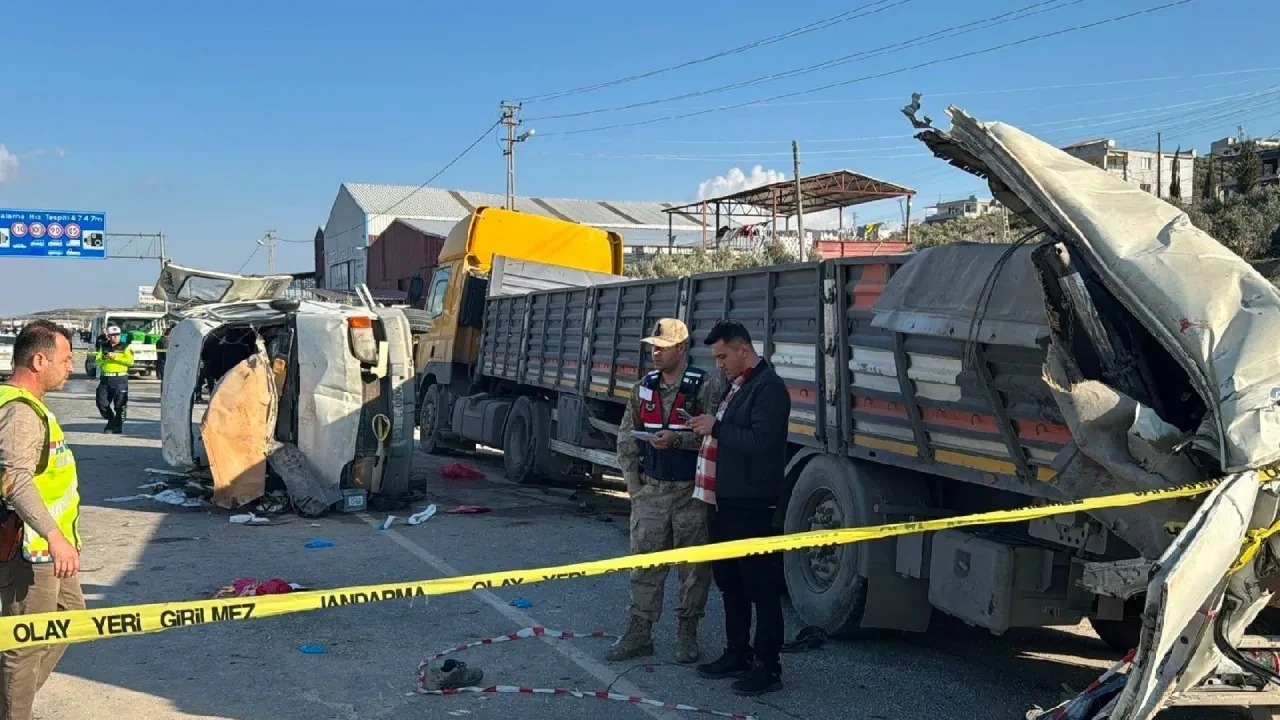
[[825, 583], [429, 422], [1119, 635], [524, 440]]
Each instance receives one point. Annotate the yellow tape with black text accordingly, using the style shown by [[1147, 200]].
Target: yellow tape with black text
[[96, 623]]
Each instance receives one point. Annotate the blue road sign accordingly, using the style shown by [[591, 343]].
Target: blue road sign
[[53, 233]]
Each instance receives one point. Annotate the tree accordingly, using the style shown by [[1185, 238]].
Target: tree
[[1248, 169], [1175, 182], [984, 228], [1208, 179], [702, 260]]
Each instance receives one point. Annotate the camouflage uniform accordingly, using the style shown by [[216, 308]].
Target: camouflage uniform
[[665, 515]]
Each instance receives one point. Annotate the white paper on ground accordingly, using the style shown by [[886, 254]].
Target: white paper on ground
[[423, 516]]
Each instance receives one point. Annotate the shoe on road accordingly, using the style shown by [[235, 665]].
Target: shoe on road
[[758, 681], [732, 664]]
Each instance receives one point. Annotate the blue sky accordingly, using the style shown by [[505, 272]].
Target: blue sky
[[214, 123]]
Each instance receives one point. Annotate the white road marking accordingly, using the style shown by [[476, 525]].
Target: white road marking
[[597, 669]]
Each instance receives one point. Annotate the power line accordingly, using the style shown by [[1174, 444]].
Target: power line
[[794, 32], [1107, 119], [249, 259], [887, 73], [960, 93], [999, 91], [842, 60], [428, 181]]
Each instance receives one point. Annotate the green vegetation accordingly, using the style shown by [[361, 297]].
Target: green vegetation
[[703, 260]]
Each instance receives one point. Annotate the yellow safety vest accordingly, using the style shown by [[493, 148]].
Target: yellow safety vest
[[115, 366], [55, 480]]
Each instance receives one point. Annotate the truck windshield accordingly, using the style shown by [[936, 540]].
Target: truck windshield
[[130, 325], [439, 284]]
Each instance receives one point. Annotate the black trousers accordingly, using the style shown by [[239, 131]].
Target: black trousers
[[750, 582], [112, 397]]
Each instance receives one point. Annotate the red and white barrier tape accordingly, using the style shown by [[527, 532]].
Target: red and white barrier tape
[[531, 632], [528, 632], [1060, 711]]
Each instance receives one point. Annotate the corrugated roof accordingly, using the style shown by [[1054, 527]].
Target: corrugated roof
[[441, 204]]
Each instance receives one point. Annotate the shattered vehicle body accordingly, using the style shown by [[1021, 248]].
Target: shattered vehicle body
[[318, 395], [1163, 358]]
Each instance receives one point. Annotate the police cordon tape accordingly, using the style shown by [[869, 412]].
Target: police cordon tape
[[76, 626]]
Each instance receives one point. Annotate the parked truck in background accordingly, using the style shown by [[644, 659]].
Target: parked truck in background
[[955, 380], [6, 355], [451, 303], [140, 330]]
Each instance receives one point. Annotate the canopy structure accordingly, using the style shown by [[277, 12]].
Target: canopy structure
[[826, 191]]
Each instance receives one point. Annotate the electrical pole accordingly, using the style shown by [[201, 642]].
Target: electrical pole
[[795, 160], [510, 113], [268, 241]]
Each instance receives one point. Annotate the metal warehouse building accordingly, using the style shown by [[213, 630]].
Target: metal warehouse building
[[361, 213]]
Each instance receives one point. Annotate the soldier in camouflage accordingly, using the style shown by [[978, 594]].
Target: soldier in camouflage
[[658, 455]]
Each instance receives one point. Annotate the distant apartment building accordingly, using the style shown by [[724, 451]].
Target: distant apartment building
[[970, 207], [1226, 151], [1147, 170]]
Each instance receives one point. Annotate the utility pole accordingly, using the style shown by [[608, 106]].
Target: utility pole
[[268, 241], [795, 160], [1159, 164], [163, 261], [510, 119]]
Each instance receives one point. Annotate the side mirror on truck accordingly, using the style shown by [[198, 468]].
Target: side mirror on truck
[[415, 292]]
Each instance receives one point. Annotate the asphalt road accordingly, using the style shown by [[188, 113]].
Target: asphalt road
[[144, 551]]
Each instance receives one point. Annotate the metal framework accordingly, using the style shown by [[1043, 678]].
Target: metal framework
[[825, 191]]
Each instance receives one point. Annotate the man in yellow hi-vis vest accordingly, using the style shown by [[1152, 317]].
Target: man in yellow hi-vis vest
[[39, 532], [113, 359]]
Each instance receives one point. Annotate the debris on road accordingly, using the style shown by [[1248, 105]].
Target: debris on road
[[428, 673], [249, 587], [308, 493], [449, 675], [316, 544], [810, 637], [469, 509], [173, 497], [249, 519], [312, 650], [461, 471], [386, 524], [420, 517], [127, 498], [522, 603]]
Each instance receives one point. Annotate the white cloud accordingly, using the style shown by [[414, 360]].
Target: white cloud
[[736, 181], [8, 165]]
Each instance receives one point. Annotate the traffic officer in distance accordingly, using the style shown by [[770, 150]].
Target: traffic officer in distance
[[113, 359], [40, 517], [658, 455]]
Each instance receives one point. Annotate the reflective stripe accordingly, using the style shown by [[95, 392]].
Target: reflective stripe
[[115, 374]]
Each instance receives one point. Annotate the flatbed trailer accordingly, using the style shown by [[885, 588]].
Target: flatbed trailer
[[895, 415]]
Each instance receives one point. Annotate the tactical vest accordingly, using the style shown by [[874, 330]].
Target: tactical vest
[[669, 465], [55, 480]]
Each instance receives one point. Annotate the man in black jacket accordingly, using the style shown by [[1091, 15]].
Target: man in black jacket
[[740, 474]]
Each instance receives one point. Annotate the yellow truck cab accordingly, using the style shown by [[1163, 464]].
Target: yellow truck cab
[[453, 301]]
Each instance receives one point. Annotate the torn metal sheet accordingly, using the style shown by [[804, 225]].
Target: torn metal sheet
[[1216, 315], [310, 495], [237, 426], [179, 443], [329, 399]]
